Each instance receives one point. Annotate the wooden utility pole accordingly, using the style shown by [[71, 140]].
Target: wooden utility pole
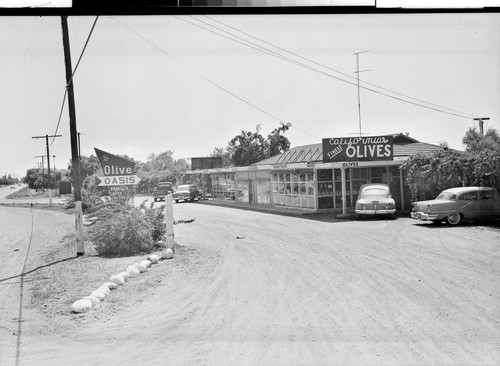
[[74, 138], [481, 122], [43, 163], [46, 137]]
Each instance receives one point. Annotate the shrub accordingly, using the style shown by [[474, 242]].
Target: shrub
[[121, 230], [156, 217]]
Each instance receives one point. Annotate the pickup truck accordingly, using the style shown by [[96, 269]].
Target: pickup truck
[[161, 190]]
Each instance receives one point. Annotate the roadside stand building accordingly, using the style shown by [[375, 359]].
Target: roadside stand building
[[323, 177]]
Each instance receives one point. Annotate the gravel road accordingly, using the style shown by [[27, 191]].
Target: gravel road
[[263, 289]]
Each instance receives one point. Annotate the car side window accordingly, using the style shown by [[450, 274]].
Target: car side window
[[469, 196], [487, 195]]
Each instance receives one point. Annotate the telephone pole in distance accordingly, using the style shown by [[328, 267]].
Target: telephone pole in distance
[[46, 137]]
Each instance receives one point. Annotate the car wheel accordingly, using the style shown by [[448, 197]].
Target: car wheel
[[453, 219], [176, 201], [154, 199]]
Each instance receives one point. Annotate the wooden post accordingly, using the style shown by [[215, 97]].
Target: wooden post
[[169, 216]]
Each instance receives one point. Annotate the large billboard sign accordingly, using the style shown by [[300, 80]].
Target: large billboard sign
[[117, 171], [206, 163], [372, 148]]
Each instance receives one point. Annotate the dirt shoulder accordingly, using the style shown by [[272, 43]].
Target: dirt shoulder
[[253, 288]]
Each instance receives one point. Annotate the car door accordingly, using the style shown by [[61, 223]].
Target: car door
[[470, 205], [490, 204]]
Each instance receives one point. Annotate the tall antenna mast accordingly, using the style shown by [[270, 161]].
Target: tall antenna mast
[[359, 94]]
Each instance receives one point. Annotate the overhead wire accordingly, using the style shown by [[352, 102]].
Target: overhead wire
[[71, 79], [336, 71], [434, 107], [201, 75]]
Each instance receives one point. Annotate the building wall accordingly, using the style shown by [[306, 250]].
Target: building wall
[[313, 189]]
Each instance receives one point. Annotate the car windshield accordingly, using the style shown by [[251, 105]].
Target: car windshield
[[371, 192], [183, 188], [446, 196]]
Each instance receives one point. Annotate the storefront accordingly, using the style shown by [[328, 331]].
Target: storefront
[[319, 177]]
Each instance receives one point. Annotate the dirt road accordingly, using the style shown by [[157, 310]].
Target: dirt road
[[262, 289]]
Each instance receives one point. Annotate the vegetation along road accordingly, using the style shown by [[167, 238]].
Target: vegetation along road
[[250, 288]]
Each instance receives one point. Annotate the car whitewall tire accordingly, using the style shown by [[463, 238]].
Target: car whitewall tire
[[453, 219]]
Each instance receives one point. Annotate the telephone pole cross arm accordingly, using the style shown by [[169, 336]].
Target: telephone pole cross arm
[[481, 121]]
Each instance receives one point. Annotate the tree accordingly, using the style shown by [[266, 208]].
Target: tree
[[160, 168], [89, 166], [474, 142], [250, 147], [278, 143], [479, 165]]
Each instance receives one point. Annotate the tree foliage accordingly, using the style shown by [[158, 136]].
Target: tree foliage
[[36, 179], [250, 147], [479, 165], [160, 168]]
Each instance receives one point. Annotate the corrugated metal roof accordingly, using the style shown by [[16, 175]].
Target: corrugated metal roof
[[314, 153]]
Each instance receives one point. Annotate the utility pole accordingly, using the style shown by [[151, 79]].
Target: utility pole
[[359, 94], [48, 161], [74, 143], [43, 163], [481, 122]]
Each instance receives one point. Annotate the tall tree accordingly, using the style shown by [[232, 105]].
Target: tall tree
[[278, 143], [474, 142], [250, 147]]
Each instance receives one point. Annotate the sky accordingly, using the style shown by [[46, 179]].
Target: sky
[[189, 84]]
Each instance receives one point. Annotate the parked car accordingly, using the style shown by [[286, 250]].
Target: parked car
[[187, 192], [161, 190], [375, 199], [461, 203]]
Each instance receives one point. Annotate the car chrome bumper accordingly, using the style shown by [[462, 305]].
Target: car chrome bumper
[[423, 216], [376, 212]]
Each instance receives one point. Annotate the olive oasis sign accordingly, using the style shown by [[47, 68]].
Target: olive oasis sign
[[117, 170], [347, 149]]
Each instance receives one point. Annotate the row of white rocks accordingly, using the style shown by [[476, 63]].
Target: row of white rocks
[[88, 302]]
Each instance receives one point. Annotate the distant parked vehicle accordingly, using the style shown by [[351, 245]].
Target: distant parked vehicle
[[375, 199], [161, 190], [187, 192], [461, 203]]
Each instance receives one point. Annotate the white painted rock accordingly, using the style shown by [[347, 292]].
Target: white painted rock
[[146, 263], [140, 267], [94, 300], [81, 306], [167, 254], [104, 289], [153, 258], [110, 285], [133, 271], [98, 294], [118, 279], [125, 275]]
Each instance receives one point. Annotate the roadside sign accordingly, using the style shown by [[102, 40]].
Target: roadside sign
[[118, 180]]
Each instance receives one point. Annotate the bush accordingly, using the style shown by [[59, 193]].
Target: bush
[[156, 217], [121, 230]]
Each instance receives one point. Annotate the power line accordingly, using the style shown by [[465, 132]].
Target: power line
[[458, 113], [203, 76], [72, 75]]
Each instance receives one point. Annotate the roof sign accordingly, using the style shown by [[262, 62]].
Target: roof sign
[[371, 148]]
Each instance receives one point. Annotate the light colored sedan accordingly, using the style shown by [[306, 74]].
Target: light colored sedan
[[461, 203], [375, 199]]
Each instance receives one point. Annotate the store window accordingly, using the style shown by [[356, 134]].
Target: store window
[[325, 189], [262, 190], [224, 186], [293, 190]]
